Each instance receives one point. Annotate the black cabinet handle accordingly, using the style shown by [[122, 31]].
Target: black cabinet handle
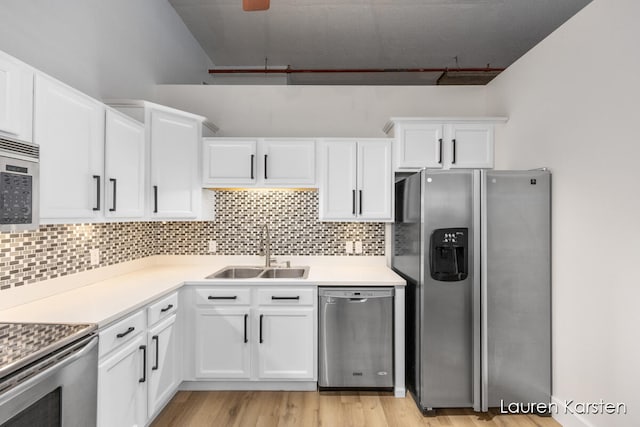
[[124, 334], [285, 298], [231, 297], [97, 178], [252, 157], [353, 202], [440, 151], [360, 201], [246, 340], [155, 199], [144, 363], [167, 308], [261, 340], [157, 340], [113, 207], [265, 166], [453, 151]]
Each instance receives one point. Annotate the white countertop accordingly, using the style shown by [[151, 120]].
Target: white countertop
[[102, 297]]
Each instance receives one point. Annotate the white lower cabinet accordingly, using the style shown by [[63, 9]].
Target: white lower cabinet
[[122, 386], [255, 333], [164, 372], [138, 369], [222, 343], [286, 346]]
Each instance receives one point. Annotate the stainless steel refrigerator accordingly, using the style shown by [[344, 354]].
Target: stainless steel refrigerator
[[475, 250]]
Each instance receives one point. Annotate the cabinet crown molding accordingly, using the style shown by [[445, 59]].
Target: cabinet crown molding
[[444, 120]]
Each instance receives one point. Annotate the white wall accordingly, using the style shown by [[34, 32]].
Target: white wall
[[107, 49], [340, 111], [574, 105]]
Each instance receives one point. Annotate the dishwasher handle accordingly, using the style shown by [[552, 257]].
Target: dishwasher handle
[[353, 294]]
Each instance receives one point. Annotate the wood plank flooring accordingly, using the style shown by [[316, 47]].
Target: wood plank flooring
[[326, 409]]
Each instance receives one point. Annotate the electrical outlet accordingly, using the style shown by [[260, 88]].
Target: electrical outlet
[[213, 246], [348, 247], [359, 247], [94, 255]]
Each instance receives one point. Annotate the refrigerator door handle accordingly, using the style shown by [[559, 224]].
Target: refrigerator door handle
[[484, 349], [477, 294]]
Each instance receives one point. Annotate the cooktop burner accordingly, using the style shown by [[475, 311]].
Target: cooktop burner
[[23, 343]]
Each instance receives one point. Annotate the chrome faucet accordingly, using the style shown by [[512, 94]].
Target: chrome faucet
[[265, 250]]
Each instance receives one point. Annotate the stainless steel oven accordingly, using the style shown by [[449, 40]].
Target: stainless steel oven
[[19, 186], [59, 389]]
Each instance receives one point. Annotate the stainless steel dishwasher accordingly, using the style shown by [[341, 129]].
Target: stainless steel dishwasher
[[356, 337]]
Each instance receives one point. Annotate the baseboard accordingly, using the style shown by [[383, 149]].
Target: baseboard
[[399, 392], [249, 385]]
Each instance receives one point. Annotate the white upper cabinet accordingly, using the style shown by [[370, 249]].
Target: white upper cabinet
[[175, 141], [357, 180], [443, 142], [124, 166], [16, 99], [470, 146], [69, 127], [420, 145], [288, 162], [268, 162], [375, 180], [229, 161]]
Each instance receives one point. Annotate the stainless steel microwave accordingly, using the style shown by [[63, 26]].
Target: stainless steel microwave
[[19, 186]]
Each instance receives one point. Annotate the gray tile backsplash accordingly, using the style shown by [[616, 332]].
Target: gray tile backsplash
[[292, 216]]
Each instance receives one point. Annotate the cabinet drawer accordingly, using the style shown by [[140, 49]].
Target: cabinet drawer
[[162, 308], [223, 296], [121, 332], [286, 296]]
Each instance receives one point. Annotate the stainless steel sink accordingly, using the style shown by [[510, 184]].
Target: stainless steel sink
[[238, 272], [285, 273]]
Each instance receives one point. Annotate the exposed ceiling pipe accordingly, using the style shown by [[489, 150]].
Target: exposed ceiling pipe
[[348, 70]]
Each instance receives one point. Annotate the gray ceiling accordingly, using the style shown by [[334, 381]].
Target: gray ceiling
[[373, 33]]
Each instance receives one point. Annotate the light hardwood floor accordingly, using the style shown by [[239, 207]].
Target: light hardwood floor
[[326, 409]]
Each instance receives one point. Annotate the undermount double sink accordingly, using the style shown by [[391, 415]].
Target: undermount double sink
[[244, 272]]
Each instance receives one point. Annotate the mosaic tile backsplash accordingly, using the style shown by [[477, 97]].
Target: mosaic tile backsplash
[[292, 217]]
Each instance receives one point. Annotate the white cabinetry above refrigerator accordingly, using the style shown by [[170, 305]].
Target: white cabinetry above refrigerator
[[443, 143]]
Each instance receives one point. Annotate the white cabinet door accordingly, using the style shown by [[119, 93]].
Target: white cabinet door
[[16, 98], [122, 387], [419, 146], [175, 184], [375, 181], [338, 175], [286, 344], [229, 162], [222, 343], [288, 162], [162, 361], [470, 145], [124, 166], [69, 126]]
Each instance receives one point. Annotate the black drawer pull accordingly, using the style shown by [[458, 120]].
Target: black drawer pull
[[440, 151], [167, 308], [360, 201], [113, 207], [453, 149], [232, 297], [246, 339], [261, 341], [97, 178], [297, 298], [124, 334], [157, 340], [265, 166], [353, 202], [144, 363], [155, 199], [252, 157]]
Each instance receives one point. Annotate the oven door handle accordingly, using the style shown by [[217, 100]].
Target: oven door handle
[[80, 349]]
